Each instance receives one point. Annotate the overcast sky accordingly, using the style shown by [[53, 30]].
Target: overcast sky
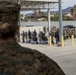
[[68, 3], [65, 4]]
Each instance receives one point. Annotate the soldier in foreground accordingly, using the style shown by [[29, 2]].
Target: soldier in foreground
[[17, 60]]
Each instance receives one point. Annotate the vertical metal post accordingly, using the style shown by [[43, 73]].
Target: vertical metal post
[[49, 19], [60, 21], [19, 14], [49, 24]]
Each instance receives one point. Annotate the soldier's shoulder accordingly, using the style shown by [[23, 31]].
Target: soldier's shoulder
[[36, 54], [44, 61], [49, 63]]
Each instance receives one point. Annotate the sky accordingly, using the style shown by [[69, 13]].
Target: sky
[[65, 4], [68, 3]]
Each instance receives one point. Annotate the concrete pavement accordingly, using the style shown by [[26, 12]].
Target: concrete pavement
[[64, 56]]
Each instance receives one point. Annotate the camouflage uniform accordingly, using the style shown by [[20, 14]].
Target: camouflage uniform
[[17, 60]]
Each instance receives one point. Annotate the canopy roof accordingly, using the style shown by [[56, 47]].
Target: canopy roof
[[37, 4], [34, 4]]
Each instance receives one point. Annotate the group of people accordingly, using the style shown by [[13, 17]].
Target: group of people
[[28, 36], [38, 38], [32, 37]]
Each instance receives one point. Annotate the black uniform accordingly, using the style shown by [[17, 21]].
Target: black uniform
[[17, 60], [23, 37], [57, 36]]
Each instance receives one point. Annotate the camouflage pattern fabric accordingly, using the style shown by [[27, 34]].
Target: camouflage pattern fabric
[[17, 60], [9, 12]]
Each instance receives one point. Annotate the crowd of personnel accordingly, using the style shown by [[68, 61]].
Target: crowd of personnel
[[41, 38], [68, 31], [33, 37], [37, 38]]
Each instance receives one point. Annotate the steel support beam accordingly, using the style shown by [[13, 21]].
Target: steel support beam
[[49, 19], [19, 14], [60, 21]]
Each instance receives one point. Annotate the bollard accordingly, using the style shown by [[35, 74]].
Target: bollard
[[72, 40], [50, 41], [62, 41]]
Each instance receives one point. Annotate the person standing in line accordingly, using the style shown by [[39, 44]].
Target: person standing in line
[[26, 36], [23, 37], [29, 35], [18, 37], [57, 36]]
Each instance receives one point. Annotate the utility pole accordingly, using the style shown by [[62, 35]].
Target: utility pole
[[60, 21]]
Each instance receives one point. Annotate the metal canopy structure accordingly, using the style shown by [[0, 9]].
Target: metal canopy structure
[[37, 4], [32, 3]]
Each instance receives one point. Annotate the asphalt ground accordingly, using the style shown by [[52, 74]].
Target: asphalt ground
[[64, 56]]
